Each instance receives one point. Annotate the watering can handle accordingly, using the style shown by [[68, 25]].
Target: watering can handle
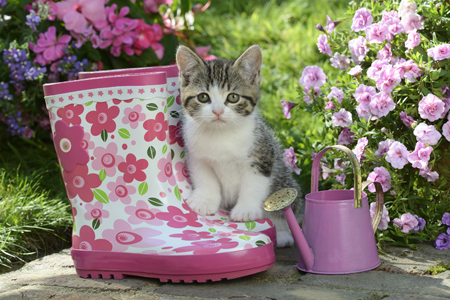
[[379, 203]]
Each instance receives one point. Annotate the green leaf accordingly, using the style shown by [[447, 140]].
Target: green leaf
[[155, 202], [100, 196], [174, 114], [212, 230], [165, 109], [124, 133], [151, 152], [104, 135], [143, 188], [164, 149], [170, 102], [102, 175], [95, 223], [177, 193], [182, 154], [250, 225], [260, 243], [74, 228], [88, 103], [245, 238], [152, 106], [172, 153]]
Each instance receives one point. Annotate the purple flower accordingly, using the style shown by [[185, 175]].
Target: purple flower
[[446, 219], [312, 76], [337, 94], [329, 105], [375, 69], [33, 20], [412, 22], [420, 156], [421, 224], [382, 176], [383, 148], [290, 159], [380, 105], [407, 222], [413, 40], [442, 241], [355, 71], [358, 48], [439, 52], [389, 77], [363, 94], [409, 70], [359, 148], [427, 134], [431, 108], [346, 137], [341, 178], [361, 19], [331, 24], [430, 176], [397, 155], [446, 130], [322, 44], [340, 61], [376, 33], [407, 120], [384, 217], [307, 98], [287, 106], [342, 118], [385, 53]]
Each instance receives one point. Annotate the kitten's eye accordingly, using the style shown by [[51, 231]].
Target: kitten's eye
[[233, 98], [203, 97]]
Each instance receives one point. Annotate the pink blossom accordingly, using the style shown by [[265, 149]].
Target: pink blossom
[[287, 106], [119, 190], [407, 120], [384, 217], [86, 142], [48, 48], [149, 36], [182, 172], [407, 7], [420, 156], [322, 44], [412, 22], [331, 24], [359, 148], [413, 40], [77, 13], [390, 17], [439, 52], [407, 222], [430, 176], [346, 137], [176, 218], [151, 6], [337, 94], [361, 19], [341, 178], [107, 159], [427, 134], [446, 130], [156, 128], [431, 108], [208, 247], [409, 70], [383, 147], [143, 213], [175, 134], [380, 105], [203, 53], [79, 182], [375, 69], [96, 211], [312, 76], [339, 61], [358, 48], [102, 118], [376, 33], [290, 159], [397, 155], [133, 116], [165, 170], [385, 53], [342, 118], [389, 77], [192, 235], [355, 71], [363, 94], [307, 94], [133, 169], [329, 105], [71, 114], [86, 241]]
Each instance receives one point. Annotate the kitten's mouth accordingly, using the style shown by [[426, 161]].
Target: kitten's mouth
[[218, 120]]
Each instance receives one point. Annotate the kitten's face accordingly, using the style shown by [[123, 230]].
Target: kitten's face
[[220, 92]]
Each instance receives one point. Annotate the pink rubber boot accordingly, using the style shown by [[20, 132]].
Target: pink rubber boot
[[110, 135]]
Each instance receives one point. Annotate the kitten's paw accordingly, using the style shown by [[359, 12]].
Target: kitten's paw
[[241, 213], [202, 206], [284, 239]]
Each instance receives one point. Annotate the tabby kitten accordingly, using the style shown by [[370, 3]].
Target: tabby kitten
[[233, 158]]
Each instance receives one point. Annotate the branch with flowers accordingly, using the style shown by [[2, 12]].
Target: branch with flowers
[[389, 103], [45, 41]]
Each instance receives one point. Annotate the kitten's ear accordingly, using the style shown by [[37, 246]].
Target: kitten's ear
[[187, 62], [249, 64]]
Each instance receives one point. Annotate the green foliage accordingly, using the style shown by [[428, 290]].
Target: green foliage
[[440, 267]]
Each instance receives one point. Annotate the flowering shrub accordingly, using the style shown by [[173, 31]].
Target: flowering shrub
[[45, 41], [389, 104]]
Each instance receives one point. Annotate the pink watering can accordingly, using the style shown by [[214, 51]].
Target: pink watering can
[[338, 235]]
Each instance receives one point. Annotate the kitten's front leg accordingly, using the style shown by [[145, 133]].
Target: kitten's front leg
[[254, 190], [205, 198]]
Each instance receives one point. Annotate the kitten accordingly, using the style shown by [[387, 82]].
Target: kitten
[[233, 158]]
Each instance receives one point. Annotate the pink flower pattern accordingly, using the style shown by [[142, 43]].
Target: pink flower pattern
[[96, 211], [142, 213], [182, 172], [133, 168], [207, 247], [71, 114], [133, 116], [107, 159], [120, 190], [178, 219], [156, 128], [79, 182], [102, 118], [87, 241], [191, 235], [67, 142], [175, 134], [166, 171]]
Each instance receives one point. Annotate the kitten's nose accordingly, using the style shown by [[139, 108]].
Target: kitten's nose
[[218, 113]]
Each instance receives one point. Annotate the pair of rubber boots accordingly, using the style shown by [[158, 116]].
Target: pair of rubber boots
[[118, 141]]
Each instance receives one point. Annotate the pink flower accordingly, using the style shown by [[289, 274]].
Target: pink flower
[[165, 170], [375, 69], [156, 128], [307, 94], [133, 116], [290, 159], [182, 172], [178, 219], [86, 241], [79, 182], [151, 6], [382, 176], [142, 213], [397, 155], [407, 7], [124, 236], [102, 118], [48, 48], [407, 120], [96, 211], [376, 33], [384, 217], [358, 48], [420, 156], [287, 106], [413, 40], [446, 130], [339, 61], [427, 134], [346, 137], [119, 190], [191, 235], [107, 159], [149, 36], [385, 53], [67, 142], [329, 105], [359, 148], [176, 134], [337, 94], [342, 118], [431, 108], [407, 222], [71, 114], [389, 77], [86, 142], [91, 11], [363, 94], [383, 148], [207, 247], [322, 44], [355, 71], [430, 176], [439, 52], [203, 53], [331, 24], [361, 19], [341, 178], [380, 105], [412, 22], [409, 70], [312, 76], [132, 169]]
